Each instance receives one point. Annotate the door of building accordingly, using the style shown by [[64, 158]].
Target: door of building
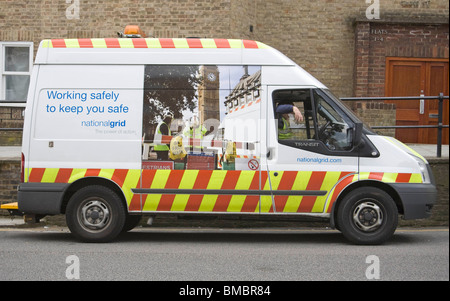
[[414, 77]]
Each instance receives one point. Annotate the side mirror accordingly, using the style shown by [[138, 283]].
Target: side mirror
[[357, 134]]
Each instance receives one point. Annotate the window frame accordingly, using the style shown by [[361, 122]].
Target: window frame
[[317, 145], [4, 73]]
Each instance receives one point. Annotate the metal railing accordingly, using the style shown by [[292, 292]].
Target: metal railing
[[439, 126]]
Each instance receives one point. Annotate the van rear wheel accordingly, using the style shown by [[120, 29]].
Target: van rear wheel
[[95, 214], [367, 215]]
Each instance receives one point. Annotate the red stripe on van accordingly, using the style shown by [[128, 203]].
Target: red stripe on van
[[63, 175], [286, 183], [340, 187], [403, 178], [119, 176], [173, 182], [135, 204], [112, 43], [166, 43], [139, 43], [36, 175], [315, 182], [92, 172], [250, 44], [201, 182], [194, 43], [376, 176], [251, 201], [85, 43], [146, 180], [230, 181], [222, 43], [59, 43]]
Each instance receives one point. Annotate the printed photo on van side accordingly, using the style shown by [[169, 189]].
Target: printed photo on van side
[[185, 112]]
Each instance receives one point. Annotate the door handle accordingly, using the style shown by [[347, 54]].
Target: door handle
[[270, 153], [422, 105]]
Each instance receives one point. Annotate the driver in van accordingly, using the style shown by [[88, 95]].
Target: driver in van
[[282, 112]]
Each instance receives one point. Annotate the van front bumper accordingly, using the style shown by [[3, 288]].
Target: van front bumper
[[40, 198], [417, 199]]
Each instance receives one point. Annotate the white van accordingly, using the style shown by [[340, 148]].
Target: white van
[[118, 128]]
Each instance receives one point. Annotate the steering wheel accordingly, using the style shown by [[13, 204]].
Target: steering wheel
[[323, 128]]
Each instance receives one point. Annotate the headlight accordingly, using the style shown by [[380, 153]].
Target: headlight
[[424, 170]]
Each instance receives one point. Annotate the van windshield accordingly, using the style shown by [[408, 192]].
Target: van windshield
[[347, 110]]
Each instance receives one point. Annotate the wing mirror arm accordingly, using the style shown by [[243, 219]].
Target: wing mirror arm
[[357, 135]]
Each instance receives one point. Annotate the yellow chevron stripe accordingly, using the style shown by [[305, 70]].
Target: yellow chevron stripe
[[77, 173], [98, 43], [216, 181], [49, 175], [160, 180], [262, 45], [331, 178], [235, 43], [300, 183], [126, 43], [106, 173], [266, 200], [47, 44], [131, 181], [153, 43], [187, 182], [244, 182], [208, 43], [180, 43], [331, 194], [72, 43], [388, 177], [416, 178]]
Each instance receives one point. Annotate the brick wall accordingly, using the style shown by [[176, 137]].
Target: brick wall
[[376, 114], [333, 40], [377, 41], [11, 117], [9, 180], [318, 35]]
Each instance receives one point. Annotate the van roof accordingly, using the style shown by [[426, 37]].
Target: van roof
[[159, 51]]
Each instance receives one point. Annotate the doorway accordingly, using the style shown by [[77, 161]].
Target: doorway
[[414, 77]]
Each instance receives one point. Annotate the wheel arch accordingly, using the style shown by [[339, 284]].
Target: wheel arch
[[90, 181], [366, 183]]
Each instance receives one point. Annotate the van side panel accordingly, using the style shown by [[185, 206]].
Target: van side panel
[[85, 122], [87, 117]]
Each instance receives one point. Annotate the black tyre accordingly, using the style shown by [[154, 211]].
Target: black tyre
[[95, 214], [367, 215], [131, 222]]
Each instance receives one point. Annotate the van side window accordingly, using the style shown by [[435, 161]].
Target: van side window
[[201, 117], [290, 125], [305, 115], [333, 130]]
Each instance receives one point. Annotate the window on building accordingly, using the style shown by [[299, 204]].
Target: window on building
[[16, 60]]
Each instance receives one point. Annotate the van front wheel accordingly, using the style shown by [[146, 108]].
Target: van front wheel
[[95, 214], [367, 215]]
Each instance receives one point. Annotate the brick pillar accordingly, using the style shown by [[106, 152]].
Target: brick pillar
[[362, 53]]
